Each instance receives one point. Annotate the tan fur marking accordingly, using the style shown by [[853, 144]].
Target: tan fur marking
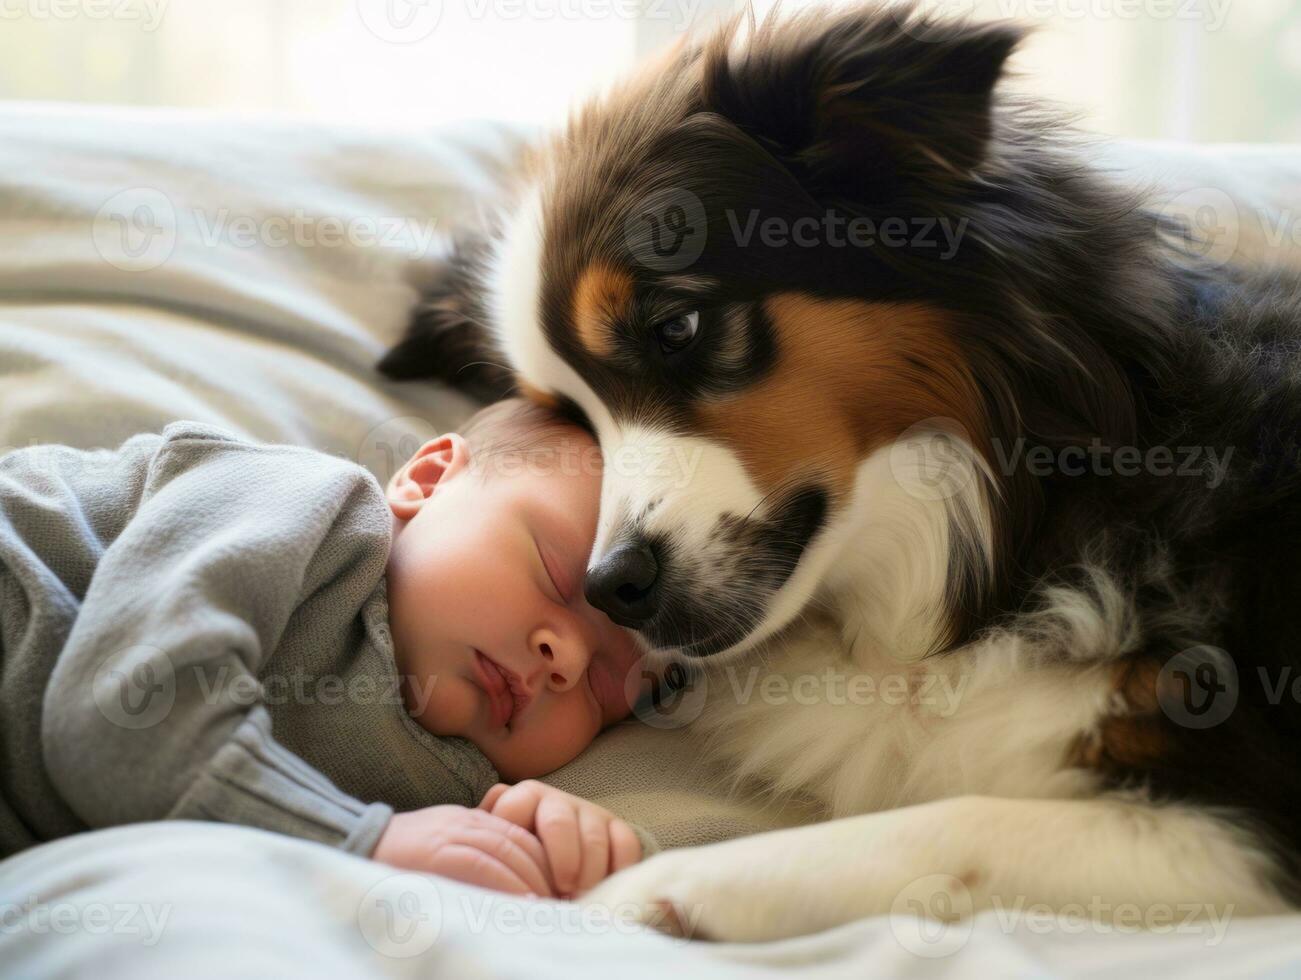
[[850, 377], [602, 296], [1136, 736], [543, 398]]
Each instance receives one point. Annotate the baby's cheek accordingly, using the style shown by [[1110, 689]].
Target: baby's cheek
[[552, 738], [442, 704]]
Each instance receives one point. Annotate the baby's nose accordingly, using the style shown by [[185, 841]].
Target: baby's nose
[[563, 656]]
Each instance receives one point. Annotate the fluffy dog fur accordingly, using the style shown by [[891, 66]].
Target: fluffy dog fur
[[861, 423]]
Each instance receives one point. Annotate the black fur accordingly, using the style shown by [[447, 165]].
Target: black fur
[[447, 339]]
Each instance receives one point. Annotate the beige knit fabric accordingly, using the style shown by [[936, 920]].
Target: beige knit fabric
[[658, 779]]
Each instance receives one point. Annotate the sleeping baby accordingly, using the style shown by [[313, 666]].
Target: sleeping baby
[[199, 627]]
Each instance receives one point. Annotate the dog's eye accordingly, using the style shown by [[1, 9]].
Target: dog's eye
[[676, 333]]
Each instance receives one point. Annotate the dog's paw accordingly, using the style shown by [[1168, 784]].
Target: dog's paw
[[660, 892], [691, 893]]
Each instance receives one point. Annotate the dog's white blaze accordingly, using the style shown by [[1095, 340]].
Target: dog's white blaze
[[669, 483], [677, 487], [514, 292], [690, 480]]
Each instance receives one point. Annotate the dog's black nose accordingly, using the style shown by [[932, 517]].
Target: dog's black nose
[[622, 584]]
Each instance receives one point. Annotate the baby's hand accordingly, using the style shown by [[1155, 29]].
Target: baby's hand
[[472, 846], [584, 843]]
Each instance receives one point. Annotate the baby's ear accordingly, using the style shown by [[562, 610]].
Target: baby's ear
[[429, 468]]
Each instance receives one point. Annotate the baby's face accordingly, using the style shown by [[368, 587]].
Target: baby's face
[[493, 636]]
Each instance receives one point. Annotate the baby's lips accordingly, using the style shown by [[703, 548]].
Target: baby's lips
[[501, 699]]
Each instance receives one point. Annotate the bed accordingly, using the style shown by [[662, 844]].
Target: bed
[[249, 272]]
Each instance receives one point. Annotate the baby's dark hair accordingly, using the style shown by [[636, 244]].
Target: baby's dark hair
[[509, 430]]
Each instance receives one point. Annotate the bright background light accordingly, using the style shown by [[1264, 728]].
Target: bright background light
[[1178, 69]]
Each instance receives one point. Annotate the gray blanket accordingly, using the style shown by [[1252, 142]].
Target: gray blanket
[[195, 626]]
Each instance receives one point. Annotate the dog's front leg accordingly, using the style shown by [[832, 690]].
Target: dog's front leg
[[947, 859]]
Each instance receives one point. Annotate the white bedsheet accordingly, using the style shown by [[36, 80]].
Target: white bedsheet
[[194, 901], [159, 265]]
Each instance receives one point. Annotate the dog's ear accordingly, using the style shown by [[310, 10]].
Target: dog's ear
[[866, 105], [447, 339]]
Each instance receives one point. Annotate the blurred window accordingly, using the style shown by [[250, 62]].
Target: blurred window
[[1176, 69]]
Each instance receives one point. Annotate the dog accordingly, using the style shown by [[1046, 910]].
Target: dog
[[929, 374]]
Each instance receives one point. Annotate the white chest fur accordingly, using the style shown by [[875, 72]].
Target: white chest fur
[[864, 732]]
